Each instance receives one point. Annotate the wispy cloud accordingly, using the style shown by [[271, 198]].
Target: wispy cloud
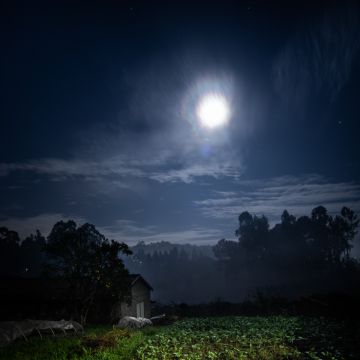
[[188, 174], [43, 222], [131, 233], [117, 170], [271, 196], [319, 58], [61, 169], [123, 230], [194, 236]]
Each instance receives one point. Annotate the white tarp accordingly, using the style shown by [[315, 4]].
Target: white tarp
[[12, 330], [129, 322]]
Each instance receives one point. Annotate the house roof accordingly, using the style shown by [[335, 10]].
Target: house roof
[[137, 277]]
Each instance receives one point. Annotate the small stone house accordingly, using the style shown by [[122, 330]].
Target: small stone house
[[140, 299]]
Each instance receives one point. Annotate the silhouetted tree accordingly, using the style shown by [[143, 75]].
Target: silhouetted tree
[[33, 255], [304, 252], [253, 234], [10, 257], [342, 234], [89, 263], [229, 256]]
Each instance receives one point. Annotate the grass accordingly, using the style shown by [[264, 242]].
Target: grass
[[240, 338]]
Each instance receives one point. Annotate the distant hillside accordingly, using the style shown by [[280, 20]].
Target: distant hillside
[[166, 247]]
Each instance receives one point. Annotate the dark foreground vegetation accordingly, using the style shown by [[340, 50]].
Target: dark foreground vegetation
[[255, 338], [336, 305]]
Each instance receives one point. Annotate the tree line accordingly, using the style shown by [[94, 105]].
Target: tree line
[[297, 256]]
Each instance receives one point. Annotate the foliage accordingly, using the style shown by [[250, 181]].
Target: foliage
[[225, 338], [90, 264], [9, 252], [298, 255], [109, 339], [20, 258], [319, 238], [295, 257], [252, 338]]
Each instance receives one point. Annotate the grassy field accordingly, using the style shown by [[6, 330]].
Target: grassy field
[[262, 338]]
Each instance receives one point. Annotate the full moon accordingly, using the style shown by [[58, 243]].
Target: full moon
[[213, 111]]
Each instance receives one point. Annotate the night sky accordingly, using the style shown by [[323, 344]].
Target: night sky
[[99, 115]]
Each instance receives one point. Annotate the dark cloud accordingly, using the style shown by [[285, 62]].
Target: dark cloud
[[319, 58]]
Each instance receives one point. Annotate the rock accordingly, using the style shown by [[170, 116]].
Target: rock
[[129, 322]]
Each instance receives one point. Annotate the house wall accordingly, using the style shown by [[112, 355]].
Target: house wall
[[139, 293]]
